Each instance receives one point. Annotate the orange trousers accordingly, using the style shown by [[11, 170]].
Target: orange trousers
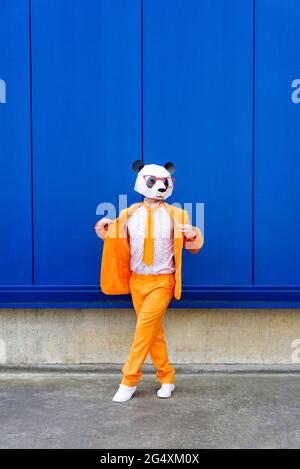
[[151, 295]]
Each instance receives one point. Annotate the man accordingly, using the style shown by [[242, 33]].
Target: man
[[142, 255]]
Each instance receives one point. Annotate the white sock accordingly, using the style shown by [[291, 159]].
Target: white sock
[[166, 390], [124, 393]]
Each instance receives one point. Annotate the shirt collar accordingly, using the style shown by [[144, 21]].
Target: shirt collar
[[156, 205]]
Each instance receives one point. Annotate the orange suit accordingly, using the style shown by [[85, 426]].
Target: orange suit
[[151, 294]]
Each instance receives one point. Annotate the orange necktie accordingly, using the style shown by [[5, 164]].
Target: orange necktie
[[148, 257]]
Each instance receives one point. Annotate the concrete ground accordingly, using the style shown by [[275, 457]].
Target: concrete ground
[[68, 410]]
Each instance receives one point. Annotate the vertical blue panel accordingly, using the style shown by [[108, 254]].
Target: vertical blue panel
[[277, 147], [198, 99], [86, 127], [15, 151]]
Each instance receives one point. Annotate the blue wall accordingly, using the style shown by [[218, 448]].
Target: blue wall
[[15, 146], [92, 85]]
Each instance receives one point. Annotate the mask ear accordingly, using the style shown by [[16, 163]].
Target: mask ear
[[170, 167], [137, 166]]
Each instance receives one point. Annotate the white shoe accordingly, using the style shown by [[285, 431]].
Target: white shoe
[[165, 391], [124, 393]]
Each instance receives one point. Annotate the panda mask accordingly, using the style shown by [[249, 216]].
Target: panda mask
[[154, 181]]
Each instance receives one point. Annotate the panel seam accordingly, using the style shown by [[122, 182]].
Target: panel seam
[[142, 80], [31, 146], [253, 138]]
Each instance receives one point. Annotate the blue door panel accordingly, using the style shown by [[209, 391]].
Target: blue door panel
[[112, 81], [277, 143], [15, 149], [198, 99], [86, 127]]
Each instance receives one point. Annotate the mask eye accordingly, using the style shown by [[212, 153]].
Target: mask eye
[[151, 180], [166, 182]]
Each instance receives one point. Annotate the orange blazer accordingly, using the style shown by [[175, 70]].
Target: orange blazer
[[115, 268]]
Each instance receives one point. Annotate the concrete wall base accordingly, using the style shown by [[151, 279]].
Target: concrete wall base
[[33, 337]]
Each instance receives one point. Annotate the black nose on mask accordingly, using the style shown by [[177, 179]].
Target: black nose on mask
[[162, 190]]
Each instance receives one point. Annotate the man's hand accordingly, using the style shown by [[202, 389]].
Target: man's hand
[[188, 230], [101, 227]]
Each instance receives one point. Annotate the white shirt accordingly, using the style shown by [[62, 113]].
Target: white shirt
[[163, 241]]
